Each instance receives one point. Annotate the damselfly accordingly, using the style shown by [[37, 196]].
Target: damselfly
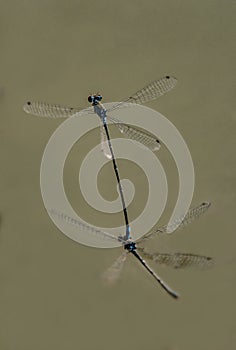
[[150, 92], [176, 260]]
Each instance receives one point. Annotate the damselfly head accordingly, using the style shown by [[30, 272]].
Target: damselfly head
[[95, 99], [131, 246]]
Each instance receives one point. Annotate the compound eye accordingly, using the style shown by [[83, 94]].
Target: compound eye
[[99, 97], [90, 99]]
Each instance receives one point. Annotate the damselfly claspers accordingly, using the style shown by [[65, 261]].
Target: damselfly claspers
[[176, 260]]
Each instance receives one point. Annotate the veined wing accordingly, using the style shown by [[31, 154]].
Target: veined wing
[[179, 223], [91, 229], [136, 134], [112, 274], [42, 109], [178, 260], [151, 91]]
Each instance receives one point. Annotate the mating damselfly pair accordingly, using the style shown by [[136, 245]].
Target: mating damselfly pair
[[174, 260], [150, 92]]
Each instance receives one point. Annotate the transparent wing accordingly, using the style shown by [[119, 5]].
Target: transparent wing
[[91, 229], [47, 110], [192, 214], [178, 260], [112, 274], [153, 90], [136, 134], [42, 109], [150, 92]]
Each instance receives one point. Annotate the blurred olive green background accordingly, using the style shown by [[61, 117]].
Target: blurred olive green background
[[51, 295]]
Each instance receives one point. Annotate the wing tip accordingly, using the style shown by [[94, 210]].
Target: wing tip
[[206, 204], [171, 77], [26, 106]]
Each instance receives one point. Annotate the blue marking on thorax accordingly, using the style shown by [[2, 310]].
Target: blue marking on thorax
[[100, 111]]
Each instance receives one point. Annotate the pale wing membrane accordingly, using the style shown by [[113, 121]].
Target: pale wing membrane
[[136, 134], [150, 92], [112, 274], [46, 110], [153, 90], [42, 109], [82, 225], [178, 260], [192, 214]]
